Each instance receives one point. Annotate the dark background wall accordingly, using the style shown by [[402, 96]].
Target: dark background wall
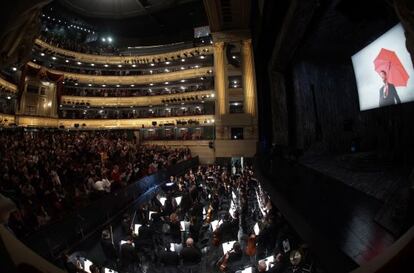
[[313, 97], [328, 119]]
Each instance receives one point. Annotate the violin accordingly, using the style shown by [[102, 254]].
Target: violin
[[216, 239], [251, 246], [209, 214], [222, 263]]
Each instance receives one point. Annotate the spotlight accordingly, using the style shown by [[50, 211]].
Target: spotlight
[[152, 64], [103, 39], [134, 65], [167, 62], [117, 85], [106, 65], [8, 97], [92, 64], [183, 60], [54, 58], [109, 39], [132, 85], [66, 61], [79, 63], [14, 68], [119, 65], [42, 54]]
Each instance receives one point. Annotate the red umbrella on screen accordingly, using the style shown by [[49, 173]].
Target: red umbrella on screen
[[387, 60]]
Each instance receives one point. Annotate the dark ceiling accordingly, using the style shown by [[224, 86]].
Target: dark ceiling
[[137, 22]]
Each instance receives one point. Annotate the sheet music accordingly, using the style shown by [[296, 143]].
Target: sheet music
[[256, 229], [227, 246], [136, 229]]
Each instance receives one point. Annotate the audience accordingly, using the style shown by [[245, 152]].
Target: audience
[[49, 173]]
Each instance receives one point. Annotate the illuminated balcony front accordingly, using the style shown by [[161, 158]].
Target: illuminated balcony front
[[146, 59], [92, 80]]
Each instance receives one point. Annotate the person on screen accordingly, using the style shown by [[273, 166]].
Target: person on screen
[[388, 94]]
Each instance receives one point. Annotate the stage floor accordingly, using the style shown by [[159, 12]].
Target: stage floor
[[341, 214]]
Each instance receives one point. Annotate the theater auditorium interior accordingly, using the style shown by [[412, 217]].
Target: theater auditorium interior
[[206, 136]]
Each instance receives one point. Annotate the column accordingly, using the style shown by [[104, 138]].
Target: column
[[219, 79], [249, 78]]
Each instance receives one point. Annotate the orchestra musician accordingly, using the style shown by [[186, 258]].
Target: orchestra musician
[[233, 255]]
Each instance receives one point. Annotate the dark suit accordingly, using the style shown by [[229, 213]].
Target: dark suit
[[108, 248], [392, 97], [169, 258], [190, 255]]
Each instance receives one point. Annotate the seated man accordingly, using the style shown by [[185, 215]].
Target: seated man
[[107, 245], [233, 256], [128, 255], [190, 254], [169, 258]]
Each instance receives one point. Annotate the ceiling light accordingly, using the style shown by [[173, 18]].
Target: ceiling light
[[119, 65], [103, 85], [183, 60], [14, 68], [182, 81], [67, 61], [151, 84], [103, 39], [134, 65], [234, 57], [8, 97], [152, 64], [92, 64], [54, 58], [106, 65], [166, 83], [167, 62], [109, 39], [90, 84], [117, 85], [202, 57], [76, 83], [132, 85], [79, 63], [42, 54]]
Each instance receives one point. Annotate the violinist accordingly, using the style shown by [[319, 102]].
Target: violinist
[[234, 255]]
